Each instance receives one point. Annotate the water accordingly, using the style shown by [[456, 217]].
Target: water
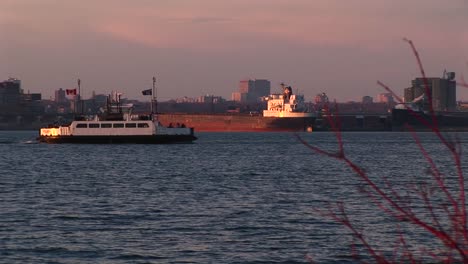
[[228, 198]]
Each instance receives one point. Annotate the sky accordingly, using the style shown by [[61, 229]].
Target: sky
[[198, 47]]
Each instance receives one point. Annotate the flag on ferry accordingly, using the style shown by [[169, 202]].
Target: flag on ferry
[[71, 91], [147, 92]]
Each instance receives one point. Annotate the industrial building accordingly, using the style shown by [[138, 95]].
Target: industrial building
[[12, 96], [18, 109], [443, 91]]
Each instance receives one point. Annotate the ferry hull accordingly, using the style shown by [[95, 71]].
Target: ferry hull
[[152, 139]]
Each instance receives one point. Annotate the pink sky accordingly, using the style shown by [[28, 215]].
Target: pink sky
[[197, 47]]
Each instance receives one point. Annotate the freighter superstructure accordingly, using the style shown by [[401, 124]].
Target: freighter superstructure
[[286, 104]]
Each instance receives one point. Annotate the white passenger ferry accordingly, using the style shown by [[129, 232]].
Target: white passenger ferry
[[115, 126]]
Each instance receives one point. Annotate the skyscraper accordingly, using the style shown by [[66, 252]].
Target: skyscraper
[[10, 92], [250, 91], [60, 96]]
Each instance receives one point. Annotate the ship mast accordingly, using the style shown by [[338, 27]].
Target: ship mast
[[80, 103], [283, 87], [154, 102]]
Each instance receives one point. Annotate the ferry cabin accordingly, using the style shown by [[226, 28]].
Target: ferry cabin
[[112, 128]]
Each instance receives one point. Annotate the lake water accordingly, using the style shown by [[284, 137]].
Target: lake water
[[227, 198]]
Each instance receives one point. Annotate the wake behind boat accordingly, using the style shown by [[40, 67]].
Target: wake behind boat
[[117, 126]]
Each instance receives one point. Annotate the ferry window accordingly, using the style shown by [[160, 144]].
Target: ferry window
[[130, 125], [118, 125], [106, 125], [93, 125], [143, 125], [81, 125]]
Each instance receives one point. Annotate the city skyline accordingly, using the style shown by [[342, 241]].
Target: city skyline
[[207, 46]]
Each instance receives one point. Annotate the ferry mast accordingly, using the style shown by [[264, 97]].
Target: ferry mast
[[80, 103], [154, 102]]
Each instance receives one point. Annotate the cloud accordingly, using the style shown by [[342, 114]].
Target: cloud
[[210, 20]]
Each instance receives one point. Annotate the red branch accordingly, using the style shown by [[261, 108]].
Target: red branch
[[389, 201], [462, 83]]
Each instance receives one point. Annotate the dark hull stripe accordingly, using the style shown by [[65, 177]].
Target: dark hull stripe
[[159, 139]]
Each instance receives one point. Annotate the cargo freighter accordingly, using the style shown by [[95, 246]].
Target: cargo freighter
[[238, 122], [285, 112]]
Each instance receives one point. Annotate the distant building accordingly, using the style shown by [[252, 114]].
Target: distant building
[[14, 101], [443, 91], [10, 92], [60, 96], [367, 99], [385, 98], [236, 96], [185, 99], [408, 94], [251, 91], [32, 97], [100, 99], [246, 86], [261, 88], [210, 99], [321, 98]]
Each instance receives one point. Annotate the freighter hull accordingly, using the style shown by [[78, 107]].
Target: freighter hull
[[447, 121], [238, 123]]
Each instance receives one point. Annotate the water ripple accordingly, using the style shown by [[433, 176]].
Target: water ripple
[[228, 198]]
